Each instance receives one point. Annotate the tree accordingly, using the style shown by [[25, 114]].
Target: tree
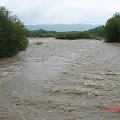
[[12, 34], [112, 28], [98, 31]]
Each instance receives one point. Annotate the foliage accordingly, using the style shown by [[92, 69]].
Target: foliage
[[12, 34], [40, 33], [112, 28], [95, 33], [98, 31], [111, 31], [72, 35]]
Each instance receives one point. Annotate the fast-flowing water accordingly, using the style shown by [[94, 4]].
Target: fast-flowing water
[[61, 80]]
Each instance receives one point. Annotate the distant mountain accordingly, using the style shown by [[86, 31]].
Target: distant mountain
[[62, 27]]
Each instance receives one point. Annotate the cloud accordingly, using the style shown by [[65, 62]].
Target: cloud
[[62, 11]]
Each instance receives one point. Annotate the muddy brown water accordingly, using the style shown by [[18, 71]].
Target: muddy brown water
[[61, 80]]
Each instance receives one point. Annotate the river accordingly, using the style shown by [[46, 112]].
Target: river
[[61, 80]]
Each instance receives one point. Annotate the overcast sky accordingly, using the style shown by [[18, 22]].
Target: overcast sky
[[62, 11]]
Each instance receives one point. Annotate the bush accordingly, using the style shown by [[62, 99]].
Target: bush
[[40, 33], [98, 32], [112, 28], [72, 35], [12, 34]]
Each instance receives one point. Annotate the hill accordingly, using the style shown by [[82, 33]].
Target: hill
[[62, 27]]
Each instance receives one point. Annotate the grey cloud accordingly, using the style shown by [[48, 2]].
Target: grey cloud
[[62, 11]]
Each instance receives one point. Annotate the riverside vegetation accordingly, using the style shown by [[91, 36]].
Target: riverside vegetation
[[13, 34], [95, 33], [112, 29], [110, 32]]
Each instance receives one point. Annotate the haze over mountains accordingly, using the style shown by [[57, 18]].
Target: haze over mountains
[[62, 27]]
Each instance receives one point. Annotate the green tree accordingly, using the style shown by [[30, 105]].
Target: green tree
[[112, 28], [98, 31], [12, 34]]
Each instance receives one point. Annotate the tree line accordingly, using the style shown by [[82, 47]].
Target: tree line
[[40, 33], [95, 33]]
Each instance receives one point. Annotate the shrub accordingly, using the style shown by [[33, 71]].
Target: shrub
[[12, 34], [40, 33], [72, 35], [98, 31], [112, 28]]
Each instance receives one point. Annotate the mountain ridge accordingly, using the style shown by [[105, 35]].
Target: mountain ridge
[[62, 27]]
